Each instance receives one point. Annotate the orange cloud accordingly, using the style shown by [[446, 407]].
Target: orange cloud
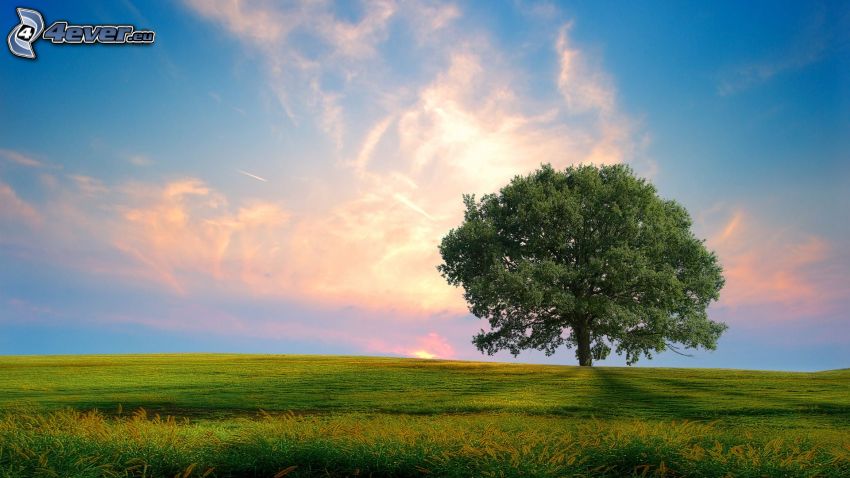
[[184, 232]]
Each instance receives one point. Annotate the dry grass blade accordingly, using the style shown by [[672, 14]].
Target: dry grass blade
[[189, 470], [285, 471]]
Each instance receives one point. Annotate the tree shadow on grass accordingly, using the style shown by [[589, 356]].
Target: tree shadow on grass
[[674, 398], [625, 397]]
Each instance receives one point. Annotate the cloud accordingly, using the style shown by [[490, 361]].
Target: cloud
[[429, 346], [252, 176], [798, 274], [808, 46], [372, 139], [467, 131], [303, 44], [753, 74], [140, 160], [184, 233], [374, 243], [20, 159], [584, 88], [427, 18], [407, 202], [88, 185], [588, 90], [256, 22], [391, 189], [15, 208], [27, 312]]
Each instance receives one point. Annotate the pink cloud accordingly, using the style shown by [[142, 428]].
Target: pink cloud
[[184, 234], [369, 239], [375, 248], [429, 346], [585, 88], [20, 159], [29, 312], [369, 333], [767, 266], [88, 185], [13, 207], [468, 129]]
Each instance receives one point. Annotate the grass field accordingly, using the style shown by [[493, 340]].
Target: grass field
[[251, 415]]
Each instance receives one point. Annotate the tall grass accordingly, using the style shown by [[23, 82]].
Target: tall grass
[[70, 443]]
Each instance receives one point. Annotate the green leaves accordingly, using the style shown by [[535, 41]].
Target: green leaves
[[556, 252]]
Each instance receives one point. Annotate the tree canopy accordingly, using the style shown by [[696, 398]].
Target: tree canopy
[[589, 258]]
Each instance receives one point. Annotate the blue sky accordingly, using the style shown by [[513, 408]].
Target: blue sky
[[275, 178]]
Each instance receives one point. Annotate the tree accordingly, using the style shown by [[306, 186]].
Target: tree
[[592, 251]]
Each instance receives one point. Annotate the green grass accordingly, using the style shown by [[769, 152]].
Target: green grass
[[250, 415]]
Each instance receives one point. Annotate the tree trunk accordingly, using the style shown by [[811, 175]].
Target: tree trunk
[[583, 353]]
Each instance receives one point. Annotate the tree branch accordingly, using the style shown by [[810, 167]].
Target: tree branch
[[676, 350]]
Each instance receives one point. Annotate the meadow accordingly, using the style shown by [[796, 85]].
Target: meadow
[[273, 416]]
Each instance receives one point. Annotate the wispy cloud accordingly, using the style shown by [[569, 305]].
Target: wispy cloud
[[88, 185], [753, 74], [184, 234], [20, 159], [392, 189], [369, 143], [347, 50], [585, 88], [798, 273], [808, 47], [140, 160], [12, 207], [253, 176], [467, 128]]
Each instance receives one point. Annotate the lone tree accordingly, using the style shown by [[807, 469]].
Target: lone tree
[[589, 250]]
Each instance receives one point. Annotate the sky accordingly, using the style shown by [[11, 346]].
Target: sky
[[275, 177]]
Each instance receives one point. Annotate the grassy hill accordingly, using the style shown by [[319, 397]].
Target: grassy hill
[[253, 415]]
